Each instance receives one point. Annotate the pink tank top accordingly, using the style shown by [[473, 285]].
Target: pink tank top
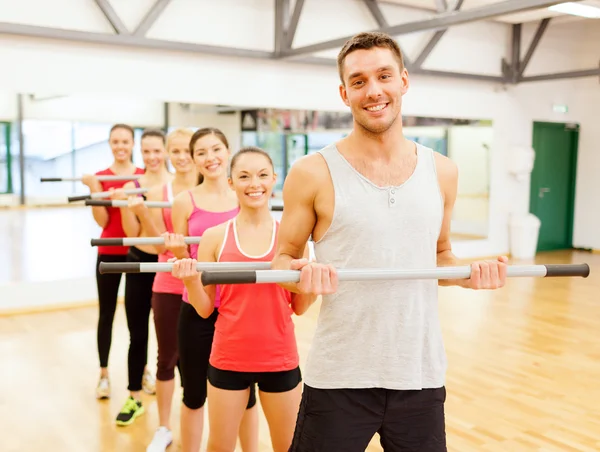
[[199, 221], [164, 282]]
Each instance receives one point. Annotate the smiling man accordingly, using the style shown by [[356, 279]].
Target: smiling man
[[371, 200]]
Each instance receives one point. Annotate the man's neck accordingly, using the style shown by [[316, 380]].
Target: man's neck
[[381, 146]]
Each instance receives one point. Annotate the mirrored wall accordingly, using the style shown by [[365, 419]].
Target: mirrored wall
[[67, 136], [288, 135]]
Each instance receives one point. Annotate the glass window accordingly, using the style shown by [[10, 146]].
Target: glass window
[[48, 151]]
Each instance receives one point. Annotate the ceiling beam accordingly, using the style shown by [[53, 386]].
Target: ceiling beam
[[139, 42], [562, 75], [515, 63], [534, 43], [151, 16], [282, 14], [116, 40], [112, 17], [320, 61], [376, 13], [434, 40], [382, 23], [293, 24], [439, 22]]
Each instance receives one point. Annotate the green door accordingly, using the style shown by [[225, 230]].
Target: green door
[[552, 196]]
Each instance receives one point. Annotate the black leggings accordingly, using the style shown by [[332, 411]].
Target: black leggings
[[195, 344], [138, 303], [108, 289]]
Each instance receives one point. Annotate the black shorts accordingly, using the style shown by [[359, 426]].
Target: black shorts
[[267, 381], [347, 419], [195, 337]]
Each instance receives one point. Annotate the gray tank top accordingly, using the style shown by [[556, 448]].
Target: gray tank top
[[383, 334]]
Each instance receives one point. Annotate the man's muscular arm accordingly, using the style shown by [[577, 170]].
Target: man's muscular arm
[[299, 216], [448, 180]]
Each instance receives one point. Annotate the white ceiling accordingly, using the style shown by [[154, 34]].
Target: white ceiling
[[528, 16]]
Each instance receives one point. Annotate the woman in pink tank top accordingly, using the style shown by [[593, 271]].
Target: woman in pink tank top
[[166, 290], [207, 205], [254, 340]]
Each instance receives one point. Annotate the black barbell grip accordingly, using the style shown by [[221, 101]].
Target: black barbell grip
[[228, 277], [107, 242], [51, 179], [119, 267], [553, 270], [78, 198], [98, 202]]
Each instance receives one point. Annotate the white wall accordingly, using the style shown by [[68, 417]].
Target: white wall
[[207, 79], [8, 105], [91, 107], [198, 116]]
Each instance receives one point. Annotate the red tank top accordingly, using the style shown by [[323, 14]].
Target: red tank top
[[165, 282], [254, 331], [114, 228]]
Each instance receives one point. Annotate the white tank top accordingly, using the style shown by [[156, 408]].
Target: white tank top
[[383, 334]]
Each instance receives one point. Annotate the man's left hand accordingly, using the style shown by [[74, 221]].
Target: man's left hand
[[488, 274]]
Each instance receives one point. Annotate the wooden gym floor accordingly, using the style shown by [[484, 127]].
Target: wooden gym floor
[[524, 372]]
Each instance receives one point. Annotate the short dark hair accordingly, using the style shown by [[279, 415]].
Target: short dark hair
[[122, 126], [154, 133], [202, 133], [365, 41], [249, 150]]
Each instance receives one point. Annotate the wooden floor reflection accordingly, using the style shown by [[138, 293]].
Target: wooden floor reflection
[[47, 244], [524, 367]]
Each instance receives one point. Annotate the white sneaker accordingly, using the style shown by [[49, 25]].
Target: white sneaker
[[103, 388], [162, 439], [149, 383]]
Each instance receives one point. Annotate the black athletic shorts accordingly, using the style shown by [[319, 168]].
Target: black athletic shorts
[[267, 381], [347, 419]]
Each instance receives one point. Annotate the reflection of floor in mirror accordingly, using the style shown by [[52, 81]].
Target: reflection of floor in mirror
[[523, 372], [48, 243], [53, 243]]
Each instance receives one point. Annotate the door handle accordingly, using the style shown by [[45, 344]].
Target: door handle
[[542, 191]]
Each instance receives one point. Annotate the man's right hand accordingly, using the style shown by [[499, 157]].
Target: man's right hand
[[315, 278]]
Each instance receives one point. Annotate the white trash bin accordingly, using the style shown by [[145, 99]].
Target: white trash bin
[[524, 234]]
